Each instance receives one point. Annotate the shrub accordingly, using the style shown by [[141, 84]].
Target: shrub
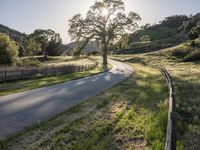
[[193, 43], [179, 52], [55, 46], [194, 56], [31, 62], [22, 51], [31, 47], [8, 50], [145, 38]]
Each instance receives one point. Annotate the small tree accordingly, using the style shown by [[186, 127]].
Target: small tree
[[124, 42], [105, 22], [43, 37], [8, 50], [31, 47], [22, 51], [195, 31], [55, 46]]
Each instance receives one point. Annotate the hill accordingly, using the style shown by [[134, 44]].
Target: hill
[[15, 35], [185, 52], [92, 46], [169, 32]]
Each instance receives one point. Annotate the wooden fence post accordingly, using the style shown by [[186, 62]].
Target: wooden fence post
[[5, 78], [55, 70], [46, 71], [22, 74], [35, 73]]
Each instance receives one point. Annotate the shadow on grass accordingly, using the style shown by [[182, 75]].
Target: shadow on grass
[[126, 115]]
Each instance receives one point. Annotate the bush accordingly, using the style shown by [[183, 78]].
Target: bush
[[194, 56], [31, 62], [192, 43], [145, 38], [55, 46], [8, 50], [179, 52]]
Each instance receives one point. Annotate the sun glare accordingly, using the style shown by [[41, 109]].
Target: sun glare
[[105, 12]]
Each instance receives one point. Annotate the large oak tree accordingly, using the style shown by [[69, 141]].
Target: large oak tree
[[105, 22]]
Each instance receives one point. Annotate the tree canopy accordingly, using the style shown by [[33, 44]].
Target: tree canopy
[[43, 37], [106, 22], [31, 47], [55, 46], [8, 50]]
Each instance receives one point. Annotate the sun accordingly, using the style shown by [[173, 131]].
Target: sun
[[104, 12]]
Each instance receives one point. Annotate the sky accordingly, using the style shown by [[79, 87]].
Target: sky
[[27, 15]]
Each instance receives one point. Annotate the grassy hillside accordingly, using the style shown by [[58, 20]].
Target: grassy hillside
[[13, 34], [148, 46], [92, 46], [186, 76], [187, 52], [154, 33], [155, 37]]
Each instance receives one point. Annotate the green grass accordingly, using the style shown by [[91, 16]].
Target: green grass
[[157, 37], [154, 45], [186, 76], [131, 115], [155, 33], [187, 52]]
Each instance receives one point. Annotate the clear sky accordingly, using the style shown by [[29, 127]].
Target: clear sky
[[28, 15]]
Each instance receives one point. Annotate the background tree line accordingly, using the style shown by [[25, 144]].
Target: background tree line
[[45, 42]]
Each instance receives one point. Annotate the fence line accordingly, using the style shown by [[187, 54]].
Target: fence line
[[20, 74], [170, 143]]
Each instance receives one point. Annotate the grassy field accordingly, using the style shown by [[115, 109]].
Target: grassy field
[[186, 76], [131, 115], [40, 62]]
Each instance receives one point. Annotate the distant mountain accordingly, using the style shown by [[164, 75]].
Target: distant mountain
[[90, 47], [15, 35]]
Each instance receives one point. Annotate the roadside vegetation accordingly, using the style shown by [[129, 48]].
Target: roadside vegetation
[[24, 85], [130, 115], [186, 52], [186, 77]]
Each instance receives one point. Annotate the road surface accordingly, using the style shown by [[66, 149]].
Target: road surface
[[21, 110]]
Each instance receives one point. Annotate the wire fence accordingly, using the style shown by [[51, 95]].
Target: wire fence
[[21, 74]]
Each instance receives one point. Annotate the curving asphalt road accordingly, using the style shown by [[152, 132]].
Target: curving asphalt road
[[20, 110]]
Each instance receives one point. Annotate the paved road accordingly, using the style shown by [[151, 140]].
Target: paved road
[[20, 110]]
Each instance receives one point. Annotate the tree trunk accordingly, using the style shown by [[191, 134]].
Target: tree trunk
[[45, 54], [104, 55]]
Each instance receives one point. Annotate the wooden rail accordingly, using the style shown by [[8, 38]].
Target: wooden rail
[[170, 143], [20, 74]]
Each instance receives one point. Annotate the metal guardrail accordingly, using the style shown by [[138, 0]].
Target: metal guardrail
[[170, 143]]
